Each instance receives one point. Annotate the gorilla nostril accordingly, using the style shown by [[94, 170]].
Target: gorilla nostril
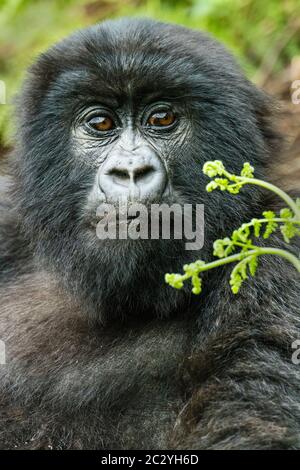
[[144, 172], [119, 174]]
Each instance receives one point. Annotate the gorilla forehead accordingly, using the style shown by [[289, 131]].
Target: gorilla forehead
[[135, 57]]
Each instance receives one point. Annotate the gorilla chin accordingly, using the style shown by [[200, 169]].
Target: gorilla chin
[[110, 277]]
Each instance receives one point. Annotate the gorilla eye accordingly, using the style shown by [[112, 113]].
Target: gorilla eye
[[101, 123], [161, 119]]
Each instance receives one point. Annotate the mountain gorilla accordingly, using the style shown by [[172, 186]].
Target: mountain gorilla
[[100, 352]]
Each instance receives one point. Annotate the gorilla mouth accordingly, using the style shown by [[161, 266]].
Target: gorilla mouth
[[116, 218], [163, 222]]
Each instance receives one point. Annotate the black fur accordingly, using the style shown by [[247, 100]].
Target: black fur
[[100, 352]]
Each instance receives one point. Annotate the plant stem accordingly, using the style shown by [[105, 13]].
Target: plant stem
[[283, 253], [257, 251], [285, 197], [276, 219]]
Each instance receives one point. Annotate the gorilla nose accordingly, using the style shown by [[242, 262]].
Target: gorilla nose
[[138, 178]]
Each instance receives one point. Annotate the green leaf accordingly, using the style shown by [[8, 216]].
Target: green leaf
[[235, 282], [256, 226], [211, 186], [239, 273], [286, 213], [289, 230], [223, 247], [197, 284], [243, 233], [213, 169], [253, 264], [222, 183], [174, 280], [271, 225], [247, 171], [193, 269], [234, 188]]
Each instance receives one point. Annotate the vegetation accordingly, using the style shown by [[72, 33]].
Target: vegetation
[[240, 247]]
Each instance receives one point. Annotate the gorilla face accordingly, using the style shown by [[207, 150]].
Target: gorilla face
[[129, 147], [131, 109]]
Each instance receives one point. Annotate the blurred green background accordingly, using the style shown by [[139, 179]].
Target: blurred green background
[[263, 34]]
